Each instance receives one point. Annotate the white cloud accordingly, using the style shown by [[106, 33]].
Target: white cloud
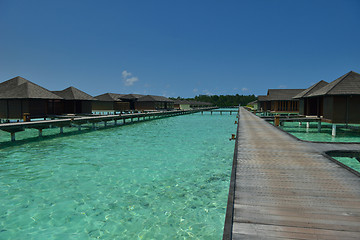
[[282, 87], [195, 90], [244, 89], [126, 74], [128, 79]]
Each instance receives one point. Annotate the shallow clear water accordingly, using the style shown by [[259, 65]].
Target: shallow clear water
[[350, 162], [343, 134], [161, 179]]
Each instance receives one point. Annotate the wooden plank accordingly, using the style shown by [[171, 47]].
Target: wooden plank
[[288, 189]]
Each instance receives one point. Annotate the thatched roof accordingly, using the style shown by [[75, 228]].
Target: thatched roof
[[204, 103], [263, 98], [21, 88], [109, 97], [347, 84], [282, 94], [131, 96], [153, 98], [72, 93], [178, 101], [311, 89], [252, 103]]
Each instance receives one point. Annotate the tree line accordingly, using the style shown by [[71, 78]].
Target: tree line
[[224, 100]]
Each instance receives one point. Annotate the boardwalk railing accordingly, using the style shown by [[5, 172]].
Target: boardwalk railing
[[227, 234], [220, 111]]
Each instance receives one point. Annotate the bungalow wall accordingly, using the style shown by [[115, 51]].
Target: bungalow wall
[[342, 109], [15, 108], [102, 105], [121, 106], [312, 106], [265, 105], [77, 107], [285, 106], [154, 105], [353, 109], [145, 106], [302, 110], [184, 106], [86, 107], [328, 108]]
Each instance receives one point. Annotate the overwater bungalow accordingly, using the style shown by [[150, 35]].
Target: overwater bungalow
[[253, 104], [280, 100], [341, 99], [75, 101], [263, 103], [198, 104], [131, 99], [110, 102], [19, 97], [151, 102], [182, 104], [311, 106]]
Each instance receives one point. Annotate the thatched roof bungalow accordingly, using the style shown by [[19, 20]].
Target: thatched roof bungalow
[[341, 99], [263, 103], [75, 101], [311, 106], [151, 102], [254, 104], [131, 99], [181, 104], [19, 96], [280, 100], [198, 104], [110, 102], [190, 104]]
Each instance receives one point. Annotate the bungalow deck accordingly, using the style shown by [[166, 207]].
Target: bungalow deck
[[284, 188]]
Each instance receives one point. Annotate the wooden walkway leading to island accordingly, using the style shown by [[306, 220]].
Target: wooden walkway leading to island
[[287, 189]]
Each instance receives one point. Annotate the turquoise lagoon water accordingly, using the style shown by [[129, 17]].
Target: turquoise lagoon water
[[350, 162], [343, 134], [161, 179]]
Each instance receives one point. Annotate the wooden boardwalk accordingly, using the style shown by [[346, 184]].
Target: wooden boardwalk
[[287, 189], [12, 128]]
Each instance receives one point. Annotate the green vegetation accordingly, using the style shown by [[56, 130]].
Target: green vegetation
[[226, 100]]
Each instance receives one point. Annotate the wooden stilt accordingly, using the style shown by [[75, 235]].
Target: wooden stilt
[[333, 132], [319, 126], [12, 137], [40, 132], [61, 130]]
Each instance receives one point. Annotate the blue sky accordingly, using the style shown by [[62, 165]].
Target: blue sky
[[178, 47]]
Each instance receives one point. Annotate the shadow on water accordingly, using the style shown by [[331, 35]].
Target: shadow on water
[[84, 129]]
